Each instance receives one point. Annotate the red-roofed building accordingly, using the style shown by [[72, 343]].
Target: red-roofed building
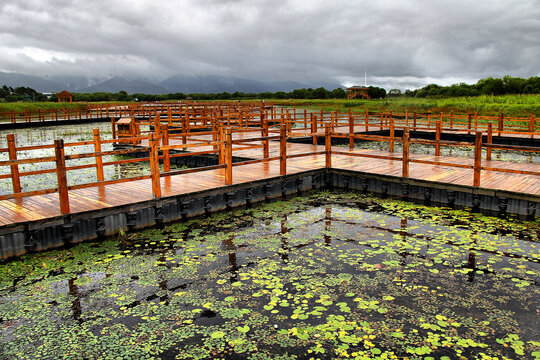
[[64, 96], [357, 92]]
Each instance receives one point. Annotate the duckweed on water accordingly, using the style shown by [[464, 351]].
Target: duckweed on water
[[330, 275]]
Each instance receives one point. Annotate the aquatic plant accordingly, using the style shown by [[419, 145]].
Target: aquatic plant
[[329, 275]]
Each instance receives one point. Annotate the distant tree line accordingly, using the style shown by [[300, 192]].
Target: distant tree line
[[319, 93], [489, 86], [9, 94], [309, 93]]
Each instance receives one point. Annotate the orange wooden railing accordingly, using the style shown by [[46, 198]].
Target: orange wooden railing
[[271, 126], [200, 114]]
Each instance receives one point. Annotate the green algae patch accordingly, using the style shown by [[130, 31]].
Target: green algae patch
[[332, 275]]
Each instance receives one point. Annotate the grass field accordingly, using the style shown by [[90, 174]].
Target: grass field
[[510, 105], [35, 106]]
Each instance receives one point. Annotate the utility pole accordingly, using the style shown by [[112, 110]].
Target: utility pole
[[365, 77]]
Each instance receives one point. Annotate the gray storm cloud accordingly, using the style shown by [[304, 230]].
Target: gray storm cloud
[[401, 43]]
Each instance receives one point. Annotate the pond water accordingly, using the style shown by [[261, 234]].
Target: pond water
[[70, 133], [329, 275], [455, 151]]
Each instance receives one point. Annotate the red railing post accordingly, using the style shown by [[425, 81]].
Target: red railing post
[[531, 125], [477, 158], [438, 129], [185, 126], [282, 150], [405, 157], [99, 158], [351, 130], [157, 124], [266, 143], [406, 118], [489, 140], [327, 146], [228, 156], [61, 176], [288, 123], [214, 133], [166, 152], [12, 152], [262, 117], [392, 133], [221, 139], [153, 140], [113, 128], [367, 120], [314, 128]]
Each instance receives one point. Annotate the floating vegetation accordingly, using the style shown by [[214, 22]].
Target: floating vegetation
[[326, 276]]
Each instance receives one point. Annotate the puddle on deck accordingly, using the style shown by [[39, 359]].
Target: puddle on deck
[[329, 275]]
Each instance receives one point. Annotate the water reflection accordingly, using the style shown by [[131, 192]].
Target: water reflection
[[284, 243], [229, 246], [471, 264], [76, 303], [455, 151], [327, 226], [70, 133]]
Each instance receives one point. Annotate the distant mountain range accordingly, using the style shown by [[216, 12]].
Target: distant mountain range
[[175, 84]]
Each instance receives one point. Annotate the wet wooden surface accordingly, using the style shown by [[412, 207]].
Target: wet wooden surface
[[108, 196]]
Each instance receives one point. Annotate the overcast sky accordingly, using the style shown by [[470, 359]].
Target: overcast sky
[[402, 43]]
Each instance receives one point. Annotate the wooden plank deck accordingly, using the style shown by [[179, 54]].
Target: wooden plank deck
[[107, 196]]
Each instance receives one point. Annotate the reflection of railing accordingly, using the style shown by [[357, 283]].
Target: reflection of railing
[[218, 139]]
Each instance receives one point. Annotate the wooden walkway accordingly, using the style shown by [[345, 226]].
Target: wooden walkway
[[32, 208]]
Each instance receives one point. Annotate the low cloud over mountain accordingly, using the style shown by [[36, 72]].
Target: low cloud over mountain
[[178, 83]]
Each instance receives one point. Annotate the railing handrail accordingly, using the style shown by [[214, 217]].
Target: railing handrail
[[223, 144]]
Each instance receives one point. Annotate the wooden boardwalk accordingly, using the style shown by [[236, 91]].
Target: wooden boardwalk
[[41, 207]]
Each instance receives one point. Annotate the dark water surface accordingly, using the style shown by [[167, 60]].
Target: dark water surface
[[328, 275]]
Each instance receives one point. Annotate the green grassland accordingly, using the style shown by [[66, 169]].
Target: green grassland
[[37, 105], [510, 105]]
